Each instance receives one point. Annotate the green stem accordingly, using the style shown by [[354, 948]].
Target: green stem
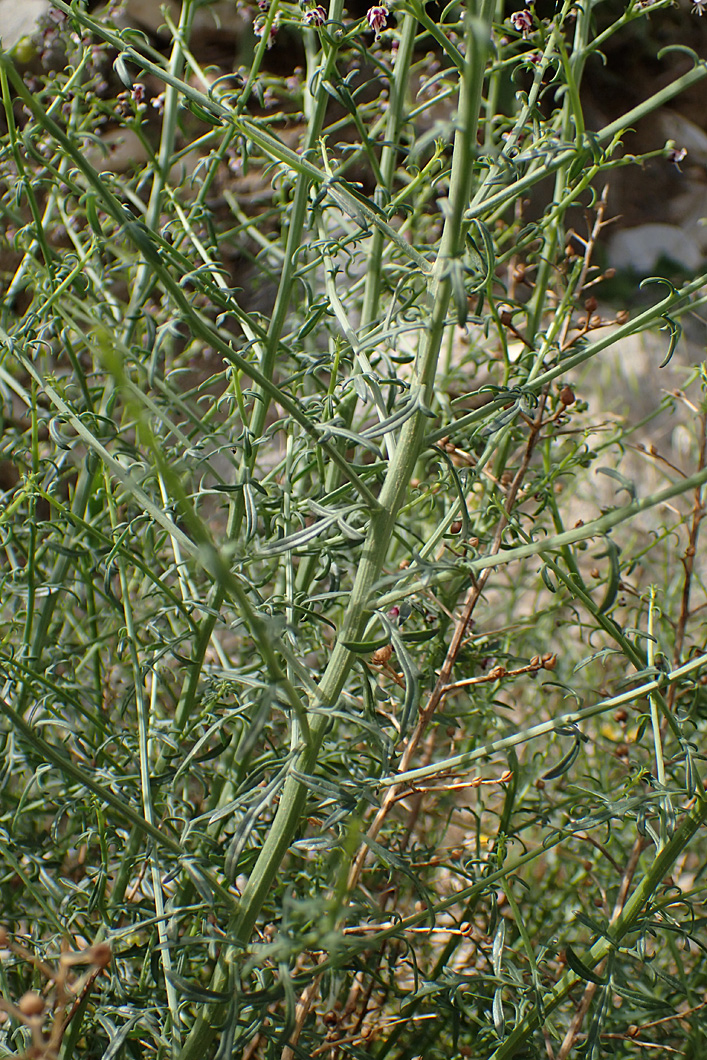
[[595, 528], [544, 728], [144, 277], [396, 116], [603, 947], [672, 304], [382, 525]]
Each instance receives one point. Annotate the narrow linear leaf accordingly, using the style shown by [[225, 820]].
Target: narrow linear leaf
[[499, 940], [626, 484], [300, 538], [121, 68], [115, 1044], [614, 580], [366, 647], [580, 968], [193, 992], [411, 675], [565, 762]]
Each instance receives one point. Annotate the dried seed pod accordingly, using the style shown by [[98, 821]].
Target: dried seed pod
[[382, 656], [31, 1004], [567, 396]]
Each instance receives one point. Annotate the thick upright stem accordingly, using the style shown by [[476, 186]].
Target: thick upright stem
[[402, 464]]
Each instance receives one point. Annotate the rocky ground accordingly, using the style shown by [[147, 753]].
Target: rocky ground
[[659, 213], [656, 212]]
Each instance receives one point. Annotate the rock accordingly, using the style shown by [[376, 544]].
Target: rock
[[147, 14], [689, 211], [674, 126], [641, 248], [219, 21], [118, 150], [18, 20], [216, 20]]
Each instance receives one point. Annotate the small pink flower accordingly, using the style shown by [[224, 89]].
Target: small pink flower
[[377, 18], [522, 21], [259, 29], [533, 58], [122, 101], [316, 16], [676, 155]]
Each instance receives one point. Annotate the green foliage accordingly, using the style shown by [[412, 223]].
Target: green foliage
[[341, 697]]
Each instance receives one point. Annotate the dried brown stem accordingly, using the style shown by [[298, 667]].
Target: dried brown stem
[[589, 245], [32, 1010], [443, 680], [304, 1005], [689, 560], [498, 673]]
